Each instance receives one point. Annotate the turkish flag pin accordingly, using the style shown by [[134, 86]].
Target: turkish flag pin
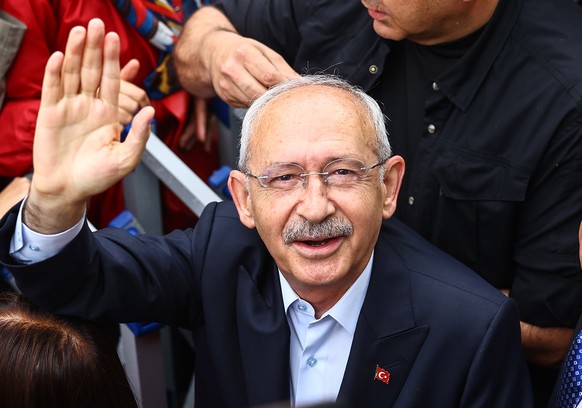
[[382, 375]]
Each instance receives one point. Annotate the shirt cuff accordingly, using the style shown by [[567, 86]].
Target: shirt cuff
[[28, 246]]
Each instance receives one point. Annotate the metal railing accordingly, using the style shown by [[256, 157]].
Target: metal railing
[[148, 359]]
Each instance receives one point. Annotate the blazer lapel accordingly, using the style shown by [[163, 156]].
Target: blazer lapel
[[263, 335], [385, 337]]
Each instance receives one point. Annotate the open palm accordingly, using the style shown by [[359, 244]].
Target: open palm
[[77, 152]]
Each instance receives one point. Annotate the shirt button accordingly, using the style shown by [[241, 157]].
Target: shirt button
[[302, 307], [311, 362], [435, 86], [177, 8], [34, 248], [411, 200], [431, 128], [373, 69]]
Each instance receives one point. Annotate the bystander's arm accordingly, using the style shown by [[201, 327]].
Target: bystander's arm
[[15, 191], [545, 346]]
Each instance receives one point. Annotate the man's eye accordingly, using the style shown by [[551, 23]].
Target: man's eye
[[284, 181], [284, 177], [344, 172]]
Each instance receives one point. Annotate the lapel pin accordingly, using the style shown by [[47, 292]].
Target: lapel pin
[[382, 375]]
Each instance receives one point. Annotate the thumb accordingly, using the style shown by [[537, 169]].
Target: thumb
[[138, 135], [129, 70]]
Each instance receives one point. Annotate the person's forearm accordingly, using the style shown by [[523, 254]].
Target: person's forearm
[[545, 346], [13, 193], [195, 48]]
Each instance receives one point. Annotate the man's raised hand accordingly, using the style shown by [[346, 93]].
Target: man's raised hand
[[77, 151]]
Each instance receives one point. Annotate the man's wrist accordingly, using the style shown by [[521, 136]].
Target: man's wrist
[[545, 346], [51, 216]]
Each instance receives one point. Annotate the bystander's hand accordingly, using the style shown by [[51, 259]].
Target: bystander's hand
[[131, 97], [236, 68], [201, 126]]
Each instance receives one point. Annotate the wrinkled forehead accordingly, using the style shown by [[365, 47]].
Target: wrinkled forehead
[[314, 112]]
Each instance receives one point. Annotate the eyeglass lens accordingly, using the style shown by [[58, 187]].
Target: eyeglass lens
[[289, 176]]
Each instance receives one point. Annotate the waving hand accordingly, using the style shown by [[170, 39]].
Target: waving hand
[[77, 152]]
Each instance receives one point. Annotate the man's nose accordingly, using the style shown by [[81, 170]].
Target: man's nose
[[373, 4], [314, 203]]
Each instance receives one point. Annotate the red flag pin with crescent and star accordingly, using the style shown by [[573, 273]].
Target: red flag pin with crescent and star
[[382, 375]]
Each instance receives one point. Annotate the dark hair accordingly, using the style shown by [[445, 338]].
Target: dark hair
[[52, 361]]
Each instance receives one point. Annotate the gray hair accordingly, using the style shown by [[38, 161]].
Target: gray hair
[[383, 149]]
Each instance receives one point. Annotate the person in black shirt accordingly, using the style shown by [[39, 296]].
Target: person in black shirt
[[485, 105]]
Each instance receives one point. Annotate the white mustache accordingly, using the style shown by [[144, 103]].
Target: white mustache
[[303, 230]]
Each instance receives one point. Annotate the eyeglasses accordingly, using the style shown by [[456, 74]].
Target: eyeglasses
[[290, 176]]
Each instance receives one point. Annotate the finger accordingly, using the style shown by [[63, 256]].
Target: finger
[[129, 70], [137, 137], [109, 88], [71, 67], [92, 63], [285, 70], [239, 79], [270, 68], [211, 130], [240, 90], [125, 116], [127, 108], [135, 93], [187, 139], [51, 84], [233, 94], [201, 115]]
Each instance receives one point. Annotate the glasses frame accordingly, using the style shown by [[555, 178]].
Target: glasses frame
[[324, 174]]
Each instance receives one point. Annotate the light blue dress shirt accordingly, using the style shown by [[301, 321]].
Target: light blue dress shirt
[[319, 348]]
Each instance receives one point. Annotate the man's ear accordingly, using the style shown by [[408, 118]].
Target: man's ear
[[237, 184], [392, 181]]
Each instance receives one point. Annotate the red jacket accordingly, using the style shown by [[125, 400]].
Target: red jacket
[[48, 25]]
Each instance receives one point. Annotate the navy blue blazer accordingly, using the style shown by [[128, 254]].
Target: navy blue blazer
[[447, 337]]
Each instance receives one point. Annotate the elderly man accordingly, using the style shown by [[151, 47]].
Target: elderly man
[[303, 291], [485, 104]]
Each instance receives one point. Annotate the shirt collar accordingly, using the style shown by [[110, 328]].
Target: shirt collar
[[347, 310]]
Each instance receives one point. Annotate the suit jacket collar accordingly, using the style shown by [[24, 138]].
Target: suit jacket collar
[[263, 335], [386, 335]]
